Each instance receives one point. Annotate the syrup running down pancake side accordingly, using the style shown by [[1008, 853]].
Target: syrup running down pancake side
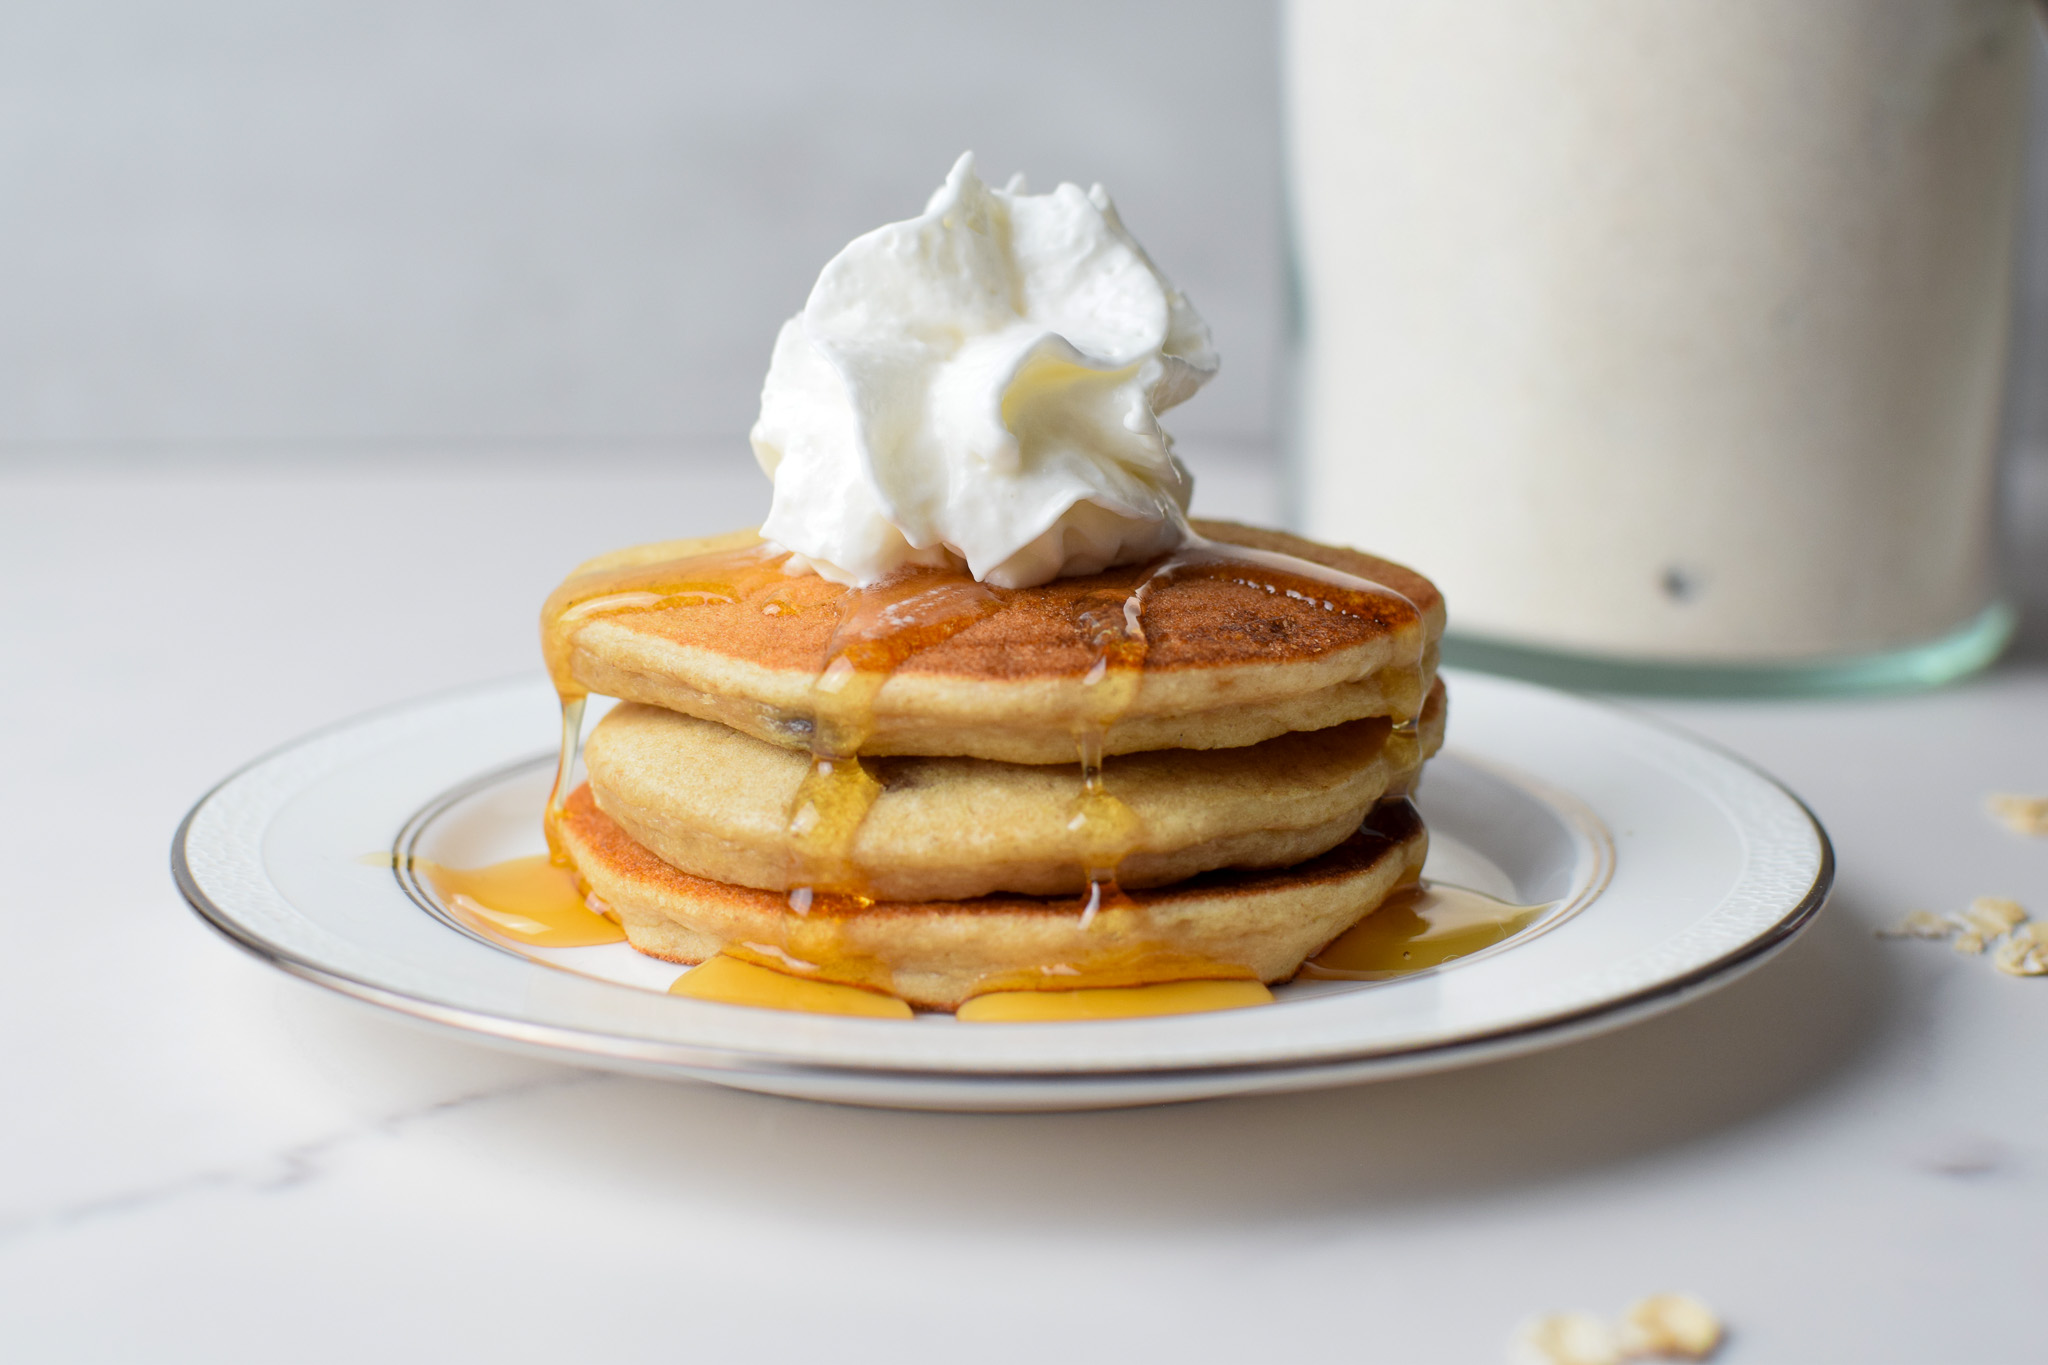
[[875, 631], [1105, 828]]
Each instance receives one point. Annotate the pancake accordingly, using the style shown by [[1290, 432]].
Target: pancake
[[938, 954], [715, 803], [1232, 656]]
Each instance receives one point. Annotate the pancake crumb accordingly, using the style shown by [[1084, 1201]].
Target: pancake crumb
[[2026, 815], [1658, 1327]]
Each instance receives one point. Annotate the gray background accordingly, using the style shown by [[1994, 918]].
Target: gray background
[[431, 225], [447, 222]]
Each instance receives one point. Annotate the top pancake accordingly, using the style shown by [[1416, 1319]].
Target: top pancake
[[1229, 661]]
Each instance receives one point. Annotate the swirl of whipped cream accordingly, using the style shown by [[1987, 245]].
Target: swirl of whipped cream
[[982, 384]]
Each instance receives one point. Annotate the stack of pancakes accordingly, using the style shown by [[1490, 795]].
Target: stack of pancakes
[[1256, 764]]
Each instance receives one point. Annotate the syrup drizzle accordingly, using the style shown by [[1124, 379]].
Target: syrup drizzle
[[1334, 590], [690, 580], [1403, 755], [1106, 830], [565, 768], [880, 627], [885, 624]]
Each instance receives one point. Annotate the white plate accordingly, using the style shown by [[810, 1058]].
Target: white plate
[[1674, 868]]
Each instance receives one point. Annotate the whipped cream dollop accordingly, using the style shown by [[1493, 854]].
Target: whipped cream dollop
[[982, 384]]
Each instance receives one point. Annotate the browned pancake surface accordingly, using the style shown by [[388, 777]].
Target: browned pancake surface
[[1229, 662], [1190, 622]]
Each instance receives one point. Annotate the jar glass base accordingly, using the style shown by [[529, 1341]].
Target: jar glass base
[[1962, 652]]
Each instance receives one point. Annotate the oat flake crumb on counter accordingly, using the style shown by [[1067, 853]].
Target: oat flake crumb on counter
[[2018, 945], [1920, 924], [1567, 1339], [1670, 1326], [1993, 915], [2025, 953], [1659, 1327], [2021, 814]]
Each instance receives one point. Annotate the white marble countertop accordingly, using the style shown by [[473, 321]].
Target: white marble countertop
[[1846, 1153]]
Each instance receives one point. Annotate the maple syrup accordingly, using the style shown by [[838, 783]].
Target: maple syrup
[[1122, 1002], [662, 585], [1334, 590], [1105, 828], [880, 627], [565, 767], [811, 942], [528, 900], [1420, 925], [729, 980]]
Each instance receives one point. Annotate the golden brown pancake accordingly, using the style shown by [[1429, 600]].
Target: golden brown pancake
[[938, 954], [716, 803], [1230, 660]]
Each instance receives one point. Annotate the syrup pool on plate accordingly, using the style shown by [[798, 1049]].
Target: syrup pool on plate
[[1113, 1002], [1421, 925], [528, 900], [732, 981]]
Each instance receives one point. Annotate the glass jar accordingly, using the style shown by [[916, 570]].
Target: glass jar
[[1668, 338]]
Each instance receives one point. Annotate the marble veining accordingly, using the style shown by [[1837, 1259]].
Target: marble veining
[[283, 1168]]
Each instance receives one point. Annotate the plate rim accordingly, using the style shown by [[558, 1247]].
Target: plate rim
[[598, 1047]]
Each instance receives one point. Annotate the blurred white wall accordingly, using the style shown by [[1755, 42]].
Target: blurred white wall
[[432, 223]]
